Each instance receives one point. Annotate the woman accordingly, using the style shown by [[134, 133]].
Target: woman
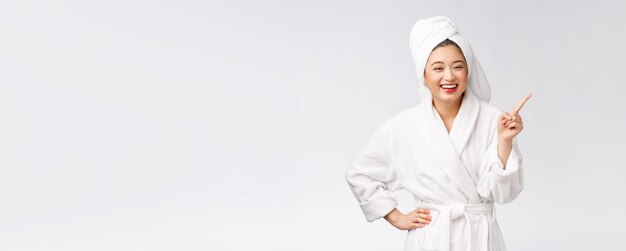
[[455, 153]]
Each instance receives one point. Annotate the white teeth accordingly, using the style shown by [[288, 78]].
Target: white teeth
[[452, 86]]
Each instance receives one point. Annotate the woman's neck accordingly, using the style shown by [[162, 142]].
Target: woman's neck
[[448, 111]]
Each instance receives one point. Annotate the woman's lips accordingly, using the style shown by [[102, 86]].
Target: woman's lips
[[449, 87]]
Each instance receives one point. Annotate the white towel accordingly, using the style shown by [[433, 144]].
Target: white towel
[[428, 33]]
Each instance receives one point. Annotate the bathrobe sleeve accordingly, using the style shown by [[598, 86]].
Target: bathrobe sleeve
[[371, 177], [496, 183]]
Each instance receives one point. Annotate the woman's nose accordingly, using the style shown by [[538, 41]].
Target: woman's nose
[[447, 74]]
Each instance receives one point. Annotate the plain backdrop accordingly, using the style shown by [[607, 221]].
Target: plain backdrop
[[203, 125]]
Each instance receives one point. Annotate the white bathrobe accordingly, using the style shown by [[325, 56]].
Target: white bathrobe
[[457, 175]]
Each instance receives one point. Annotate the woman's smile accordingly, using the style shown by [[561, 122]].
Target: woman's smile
[[449, 88]]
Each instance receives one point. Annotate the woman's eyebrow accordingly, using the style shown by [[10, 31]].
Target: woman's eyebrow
[[452, 62], [436, 62]]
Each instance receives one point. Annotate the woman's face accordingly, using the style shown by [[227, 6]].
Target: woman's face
[[445, 74]]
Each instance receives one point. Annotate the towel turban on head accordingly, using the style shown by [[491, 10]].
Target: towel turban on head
[[428, 33]]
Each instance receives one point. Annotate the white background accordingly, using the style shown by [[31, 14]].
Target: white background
[[194, 125]]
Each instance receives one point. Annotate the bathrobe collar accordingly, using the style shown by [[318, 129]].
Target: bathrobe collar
[[447, 148]]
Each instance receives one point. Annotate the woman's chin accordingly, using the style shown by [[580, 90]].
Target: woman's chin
[[449, 97]]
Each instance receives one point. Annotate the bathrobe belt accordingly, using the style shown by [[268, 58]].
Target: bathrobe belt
[[449, 213]]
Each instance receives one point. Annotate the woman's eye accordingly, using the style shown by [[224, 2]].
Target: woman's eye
[[438, 69], [458, 67]]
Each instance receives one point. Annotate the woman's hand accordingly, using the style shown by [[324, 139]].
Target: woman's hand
[[511, 124], [415, 219]]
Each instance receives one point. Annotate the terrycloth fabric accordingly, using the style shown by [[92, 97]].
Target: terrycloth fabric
[[458, 175], [428, 33]]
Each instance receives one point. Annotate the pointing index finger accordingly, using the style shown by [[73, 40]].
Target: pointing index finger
[[521, 103]]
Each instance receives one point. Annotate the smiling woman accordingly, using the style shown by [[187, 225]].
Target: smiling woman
[[446, 77], [454, 152]]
